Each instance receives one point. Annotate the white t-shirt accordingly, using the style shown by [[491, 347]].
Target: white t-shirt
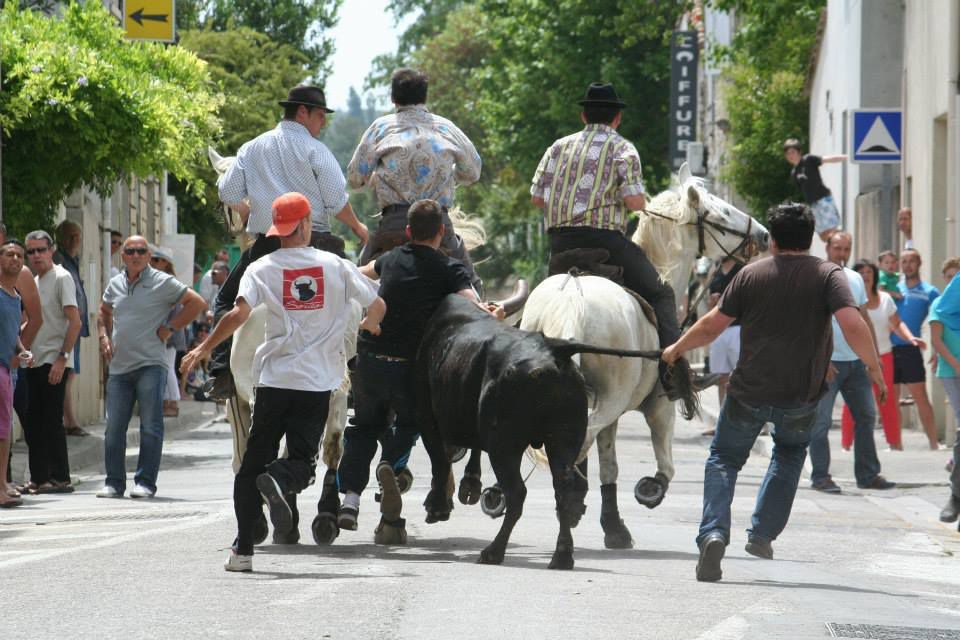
[[57, 292], [306, 292], [880, 317]]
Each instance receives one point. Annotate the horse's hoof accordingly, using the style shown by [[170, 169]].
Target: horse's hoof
[[470, 489], [261, 530], [290, 537], [649, 492], [405, 479], [562, 560], [493, 502], [325, 529], [458, 454], [390, 533], [489, 556], [618, 540], [437, 516]]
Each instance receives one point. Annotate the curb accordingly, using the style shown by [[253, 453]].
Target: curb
[[86, 453]]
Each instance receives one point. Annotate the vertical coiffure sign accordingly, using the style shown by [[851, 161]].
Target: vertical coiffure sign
[[683, 94]]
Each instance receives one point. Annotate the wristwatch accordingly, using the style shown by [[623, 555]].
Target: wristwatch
[[64, 355]]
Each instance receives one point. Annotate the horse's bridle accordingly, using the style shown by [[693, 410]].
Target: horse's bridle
[[743, 251]]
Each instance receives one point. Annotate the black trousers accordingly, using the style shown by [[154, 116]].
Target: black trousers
[[43, 428], [391, 232], [298, 415], [383, 393], [638, 272]]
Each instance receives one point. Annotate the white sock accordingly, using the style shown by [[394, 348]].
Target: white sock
[[352, 500]]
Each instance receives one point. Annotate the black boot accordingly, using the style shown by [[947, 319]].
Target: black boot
[[951, 510], [679, 384], [220, 385]]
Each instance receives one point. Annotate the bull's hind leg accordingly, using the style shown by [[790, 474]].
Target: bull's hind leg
[[470, 484], [615, 532], [506, 466]]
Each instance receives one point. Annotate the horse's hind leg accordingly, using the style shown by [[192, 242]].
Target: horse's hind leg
[[615, 532], [471, 485], [660, 415]]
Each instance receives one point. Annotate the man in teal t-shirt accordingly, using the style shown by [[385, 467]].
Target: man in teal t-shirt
[[946, 342]]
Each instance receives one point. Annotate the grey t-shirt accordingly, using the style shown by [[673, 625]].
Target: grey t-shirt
[[139, 309], [57, 291], [785, 305]]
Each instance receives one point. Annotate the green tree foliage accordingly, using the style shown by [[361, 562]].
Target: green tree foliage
[[80, 105], [302, 24], [252, 72], [767, 63], [510, 72]]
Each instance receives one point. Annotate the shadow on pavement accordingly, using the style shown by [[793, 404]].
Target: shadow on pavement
[[816, 585]]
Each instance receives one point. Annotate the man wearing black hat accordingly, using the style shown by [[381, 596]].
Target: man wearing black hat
[[587, 184], [285, 159]]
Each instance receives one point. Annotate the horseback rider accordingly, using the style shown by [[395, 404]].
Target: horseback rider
[[587, 183], [413, 155], [285, 159]]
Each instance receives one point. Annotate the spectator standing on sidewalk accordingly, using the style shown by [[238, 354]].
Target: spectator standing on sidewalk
[[307, 293], [946, 344], [134, 326], [725, 350], [905, 225], [11, 264], [213, 279], [784, 304], [850, 378], [116, 241], [882, 311], [30, 299], [67, 255], [161, 259], [806, 173], [908, 365], [47, 378]]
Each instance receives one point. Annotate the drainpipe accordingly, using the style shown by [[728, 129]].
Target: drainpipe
[[953, 135]]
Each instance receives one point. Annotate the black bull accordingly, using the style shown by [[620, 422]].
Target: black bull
[[483, 384]]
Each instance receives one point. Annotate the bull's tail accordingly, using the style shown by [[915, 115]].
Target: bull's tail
[[681, 376], [568, 348]]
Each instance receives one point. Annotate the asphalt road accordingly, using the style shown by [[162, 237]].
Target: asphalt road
[[74, 566]]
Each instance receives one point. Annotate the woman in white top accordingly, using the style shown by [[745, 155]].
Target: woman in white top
[[883, 315]]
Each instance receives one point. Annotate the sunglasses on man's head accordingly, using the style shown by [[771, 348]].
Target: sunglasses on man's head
[[30, 252], [140, 251]]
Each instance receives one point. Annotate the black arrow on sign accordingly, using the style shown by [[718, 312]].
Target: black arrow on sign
[[138, 17]]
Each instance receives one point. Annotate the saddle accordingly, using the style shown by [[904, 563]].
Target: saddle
[[593, 262]]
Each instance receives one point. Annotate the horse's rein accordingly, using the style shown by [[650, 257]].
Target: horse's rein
[[743, 251]]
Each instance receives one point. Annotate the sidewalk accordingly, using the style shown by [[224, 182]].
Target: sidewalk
[[86, 453], [915, 466]]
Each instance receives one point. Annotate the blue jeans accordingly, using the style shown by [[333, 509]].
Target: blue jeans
[[737, 429], [144, 386], [853, 383]]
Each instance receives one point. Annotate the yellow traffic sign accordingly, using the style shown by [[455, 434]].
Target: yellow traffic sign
[[149, 20]]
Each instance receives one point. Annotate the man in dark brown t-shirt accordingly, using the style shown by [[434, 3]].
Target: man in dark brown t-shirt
[[784, 304]]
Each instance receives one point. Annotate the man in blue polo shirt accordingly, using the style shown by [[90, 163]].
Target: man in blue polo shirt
[[852, 381], [908, 366]]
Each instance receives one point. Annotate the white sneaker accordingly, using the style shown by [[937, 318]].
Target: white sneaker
[[106, 491], [236, 562], [141, 491]]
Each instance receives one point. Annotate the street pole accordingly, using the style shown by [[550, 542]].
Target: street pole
[[886, 206]]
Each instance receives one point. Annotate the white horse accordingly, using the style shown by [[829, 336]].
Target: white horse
[[680, 224], [251, 334]]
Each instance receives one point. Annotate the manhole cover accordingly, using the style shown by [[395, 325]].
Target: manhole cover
[[882, 632]]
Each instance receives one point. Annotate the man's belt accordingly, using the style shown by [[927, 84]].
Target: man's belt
[[395, 209]]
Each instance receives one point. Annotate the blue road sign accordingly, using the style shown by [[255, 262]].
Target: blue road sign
[[877, 135]]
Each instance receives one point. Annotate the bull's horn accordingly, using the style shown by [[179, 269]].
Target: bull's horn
[[513, 304]]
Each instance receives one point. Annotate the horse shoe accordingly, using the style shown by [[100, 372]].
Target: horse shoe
[[493, 502], [325, 529]]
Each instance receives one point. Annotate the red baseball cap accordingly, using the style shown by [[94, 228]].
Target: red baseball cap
[[288, 210]]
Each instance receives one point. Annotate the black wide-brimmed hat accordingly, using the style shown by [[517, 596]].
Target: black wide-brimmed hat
[[602, 95], [307, 96]]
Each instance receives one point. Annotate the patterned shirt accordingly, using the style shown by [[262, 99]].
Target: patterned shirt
[[584, 177], [281, 160], [411, 155]]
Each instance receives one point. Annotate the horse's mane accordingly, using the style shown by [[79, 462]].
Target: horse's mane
[[469, 228], [661, 237]]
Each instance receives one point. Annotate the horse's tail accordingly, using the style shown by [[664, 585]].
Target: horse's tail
[[469, 228]]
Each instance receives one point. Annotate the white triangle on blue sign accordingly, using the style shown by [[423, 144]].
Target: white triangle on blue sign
[[878, 140]]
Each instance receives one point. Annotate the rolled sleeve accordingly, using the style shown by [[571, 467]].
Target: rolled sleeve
[[630, 173], [330, 181], [232, 186], [364, 160], [543, 175]]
